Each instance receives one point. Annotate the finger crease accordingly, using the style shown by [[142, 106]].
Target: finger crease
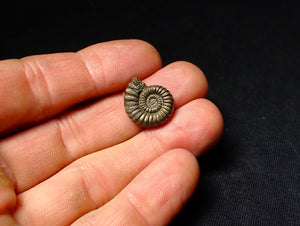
[[87, 172], [132, 200], [35, 79], [62, 126], [91, 71]]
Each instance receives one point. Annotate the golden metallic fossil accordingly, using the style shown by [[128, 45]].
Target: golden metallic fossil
[[148, 106]]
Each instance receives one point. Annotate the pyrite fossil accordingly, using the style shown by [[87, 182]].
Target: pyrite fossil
[[148, 106]]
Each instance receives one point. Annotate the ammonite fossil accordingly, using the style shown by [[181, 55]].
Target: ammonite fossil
[[148, 106]]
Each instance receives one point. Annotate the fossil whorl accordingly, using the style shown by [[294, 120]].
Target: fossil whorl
[[148, 106]]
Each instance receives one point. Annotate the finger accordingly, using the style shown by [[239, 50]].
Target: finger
[[35, 88], [154, 196], [98, 177], [7, 220], [53, 145], [7, 193]]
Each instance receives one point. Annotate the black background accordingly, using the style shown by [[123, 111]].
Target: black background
[[249, 51]]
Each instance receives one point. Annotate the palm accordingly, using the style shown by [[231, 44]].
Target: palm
[[92, 163]]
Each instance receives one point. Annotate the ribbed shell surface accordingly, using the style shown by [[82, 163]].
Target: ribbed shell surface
[[148, 106]]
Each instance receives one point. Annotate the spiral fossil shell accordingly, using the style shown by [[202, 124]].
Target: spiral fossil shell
[[148, 106]]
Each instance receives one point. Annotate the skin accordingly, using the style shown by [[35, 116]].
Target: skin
[[90, 164]]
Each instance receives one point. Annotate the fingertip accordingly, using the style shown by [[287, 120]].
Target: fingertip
[[214, 123], [192, 75], [186, 171], [143, 49], [142, 59], [164, 186], [148, 53], [196, 126], [173, 178], [185, 163], [146, 47], [184, 80]]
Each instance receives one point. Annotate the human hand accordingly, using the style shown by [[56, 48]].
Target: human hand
[[90, 164]]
